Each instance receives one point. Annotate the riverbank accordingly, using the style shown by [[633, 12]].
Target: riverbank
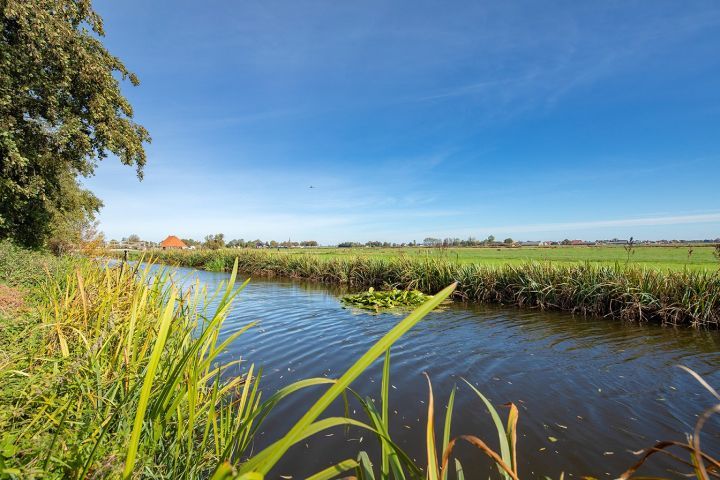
[[619, 291]]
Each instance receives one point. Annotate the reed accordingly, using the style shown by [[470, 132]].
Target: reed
[[620, 291], [121, 377]]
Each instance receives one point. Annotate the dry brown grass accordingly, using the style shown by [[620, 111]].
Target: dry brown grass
[[12, 300]]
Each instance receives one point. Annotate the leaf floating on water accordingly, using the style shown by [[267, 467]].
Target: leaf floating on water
[[552, 439], [561, 426]]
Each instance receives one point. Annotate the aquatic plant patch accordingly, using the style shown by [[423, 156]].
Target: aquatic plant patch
[[380, 300]]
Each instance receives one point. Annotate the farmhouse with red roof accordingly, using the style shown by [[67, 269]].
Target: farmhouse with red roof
[[172, 242]]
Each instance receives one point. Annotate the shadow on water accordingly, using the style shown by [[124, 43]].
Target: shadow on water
[[590, 391]]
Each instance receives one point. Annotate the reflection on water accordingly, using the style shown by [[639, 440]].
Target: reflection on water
[[601, 388]]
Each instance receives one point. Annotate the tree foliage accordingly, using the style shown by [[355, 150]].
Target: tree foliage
[[214, 242], [61, 112]]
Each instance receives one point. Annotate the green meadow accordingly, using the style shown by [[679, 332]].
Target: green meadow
[[660, 257]]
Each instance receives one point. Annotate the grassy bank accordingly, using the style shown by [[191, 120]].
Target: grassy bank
[[81, 361], [684, 297]]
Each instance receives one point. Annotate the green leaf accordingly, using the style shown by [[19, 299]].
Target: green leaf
[[502, 435], [332, 472], [158, 348]]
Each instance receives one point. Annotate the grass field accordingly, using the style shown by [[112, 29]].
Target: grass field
[[670, 257]]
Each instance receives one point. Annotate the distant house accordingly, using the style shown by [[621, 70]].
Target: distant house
[[529, 244], [171, 243]]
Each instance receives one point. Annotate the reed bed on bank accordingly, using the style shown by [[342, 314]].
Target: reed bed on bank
[[621, 291], [114, 375]]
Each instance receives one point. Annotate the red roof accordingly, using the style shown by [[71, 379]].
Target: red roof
[[173, 241]]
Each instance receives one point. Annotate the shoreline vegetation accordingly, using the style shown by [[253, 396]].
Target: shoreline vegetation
[[622, 291], [109, 371]]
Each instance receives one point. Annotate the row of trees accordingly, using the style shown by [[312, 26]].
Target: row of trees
[[377, 244], [469, 242], [217, 241]]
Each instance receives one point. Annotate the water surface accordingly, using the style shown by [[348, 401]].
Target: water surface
[[601, 388]]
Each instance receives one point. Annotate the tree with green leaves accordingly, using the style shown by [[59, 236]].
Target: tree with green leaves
[[214, 242], [61, 112]]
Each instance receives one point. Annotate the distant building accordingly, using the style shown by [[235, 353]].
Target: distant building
[[171, 243], [547, 243]]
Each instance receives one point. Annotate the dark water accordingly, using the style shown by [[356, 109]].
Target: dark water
[[601, 388]]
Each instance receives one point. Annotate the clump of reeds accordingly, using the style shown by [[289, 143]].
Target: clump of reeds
[[122, 378], [620, 291]]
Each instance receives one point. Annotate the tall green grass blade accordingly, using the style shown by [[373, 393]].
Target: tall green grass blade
[[398, 458], [347, 378], [512, 435], [147, 387], [432, 462], [332, 472], [446, 430], [224, 472], [502, 434], [262, 457], [365, 467], [459, 470], [66, 408], [385, 403]]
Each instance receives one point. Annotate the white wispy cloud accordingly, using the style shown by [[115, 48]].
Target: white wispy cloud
[[587, 225]]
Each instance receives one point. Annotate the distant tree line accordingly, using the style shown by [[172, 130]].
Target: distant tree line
[[217, 241], [457, 242], [376, 244]]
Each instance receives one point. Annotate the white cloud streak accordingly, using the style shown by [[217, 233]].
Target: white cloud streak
[[627, 222]]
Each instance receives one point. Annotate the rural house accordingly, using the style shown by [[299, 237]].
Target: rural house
[[172, 242]]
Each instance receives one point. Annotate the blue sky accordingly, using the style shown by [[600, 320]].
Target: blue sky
[[536, 120]]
